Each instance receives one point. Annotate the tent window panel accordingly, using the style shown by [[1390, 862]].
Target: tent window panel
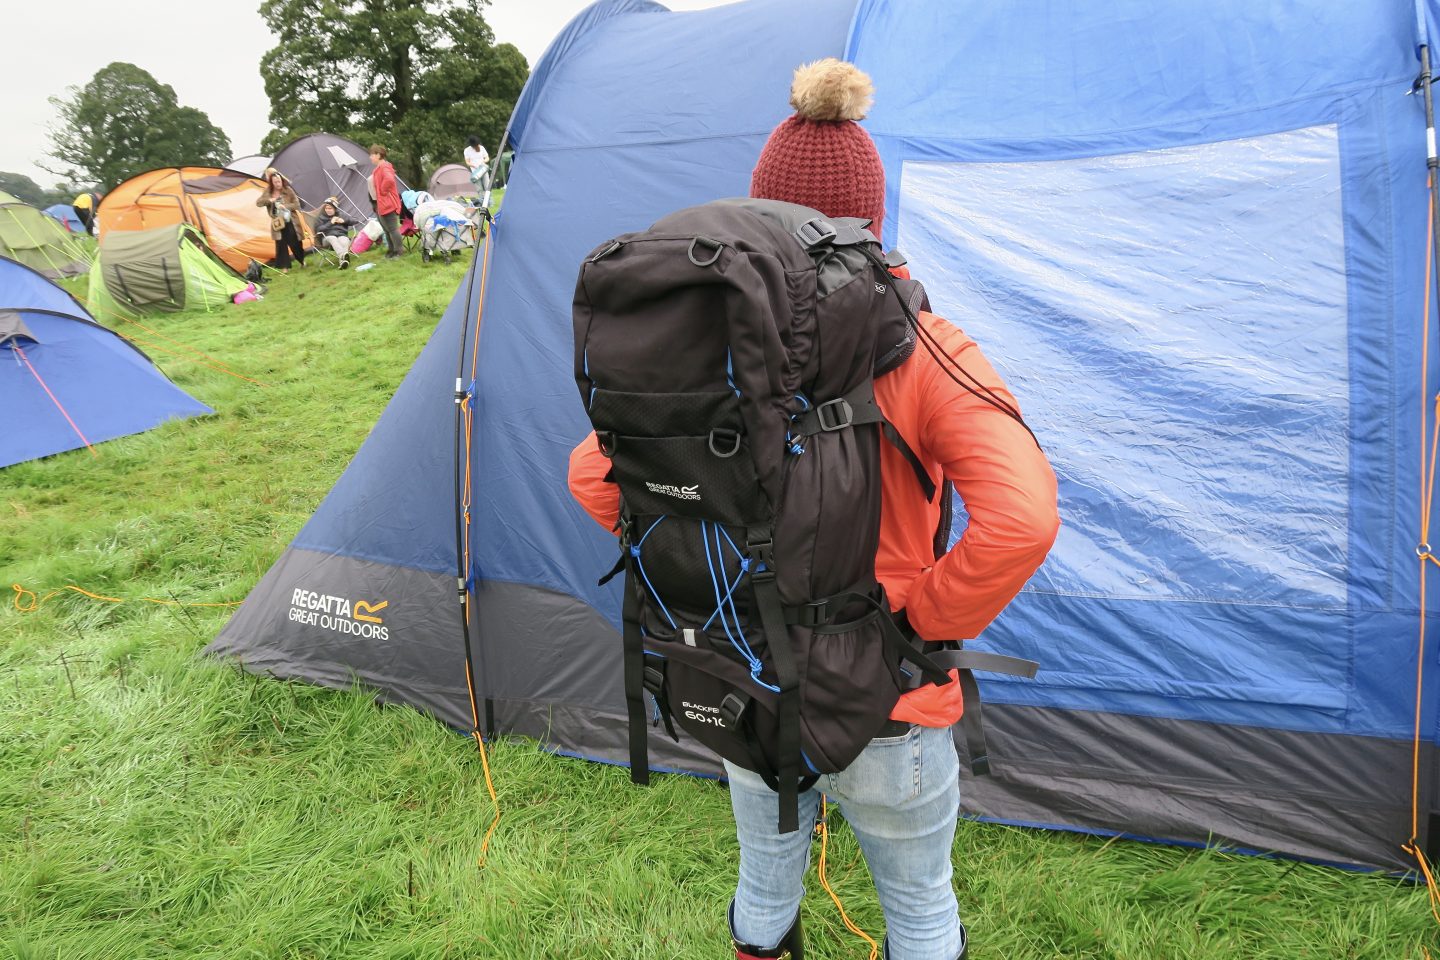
[[1174, 325]]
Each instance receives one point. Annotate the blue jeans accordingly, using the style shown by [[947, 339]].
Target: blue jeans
[[901, 797]]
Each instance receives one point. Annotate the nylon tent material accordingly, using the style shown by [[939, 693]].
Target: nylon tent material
[[66, 382], [321, 165], [30, 237], [451, 180], [64, 214], [1199, 264], [253, 164], [163, 270], [220, 203]]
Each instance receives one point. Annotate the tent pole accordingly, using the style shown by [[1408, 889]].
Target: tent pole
[[1426, 774], [461, 467]]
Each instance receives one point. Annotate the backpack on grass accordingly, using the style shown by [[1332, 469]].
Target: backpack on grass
[[726, 358]]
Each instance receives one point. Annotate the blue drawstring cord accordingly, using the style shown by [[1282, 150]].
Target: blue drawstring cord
[[797, 445], [741, 645], [635, 552]]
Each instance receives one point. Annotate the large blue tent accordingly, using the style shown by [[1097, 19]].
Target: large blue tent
[[1192, 236], [66, 382]]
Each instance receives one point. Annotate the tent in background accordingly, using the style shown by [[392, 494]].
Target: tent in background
[[452, 180], [28, 236], [64, 214], [321, 165], [253, 164], [218, 202], [67, 382], [1198, 264], [161, 270]]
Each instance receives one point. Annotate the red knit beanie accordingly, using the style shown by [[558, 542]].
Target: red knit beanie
[[820, 157]]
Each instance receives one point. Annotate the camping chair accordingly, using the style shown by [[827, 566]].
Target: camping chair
[[409, 234], [322, 249]]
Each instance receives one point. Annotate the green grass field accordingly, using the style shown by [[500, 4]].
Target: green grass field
[[156, 804]]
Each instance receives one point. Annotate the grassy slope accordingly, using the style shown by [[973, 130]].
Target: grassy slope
[[171, 807]]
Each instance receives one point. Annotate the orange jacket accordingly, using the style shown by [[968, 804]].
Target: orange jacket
[[1002, 477], [387, 194]]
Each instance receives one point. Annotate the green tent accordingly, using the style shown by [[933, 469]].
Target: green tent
[[166, 269], [39, 242]]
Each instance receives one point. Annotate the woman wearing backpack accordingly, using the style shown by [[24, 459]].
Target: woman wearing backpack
[[901, 795]]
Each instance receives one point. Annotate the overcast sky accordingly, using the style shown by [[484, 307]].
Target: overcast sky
[[215, 68]]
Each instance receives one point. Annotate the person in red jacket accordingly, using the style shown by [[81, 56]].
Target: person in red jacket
[[901, 795], [385, 191]]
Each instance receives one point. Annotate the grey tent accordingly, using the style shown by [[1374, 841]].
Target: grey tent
[[321, 165], [253, 164], [452, 180]]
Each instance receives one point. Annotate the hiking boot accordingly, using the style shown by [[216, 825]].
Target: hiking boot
[[790, 947]]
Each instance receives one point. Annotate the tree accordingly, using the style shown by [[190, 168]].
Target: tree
[[24, 189], [419, 76], [124, 122]]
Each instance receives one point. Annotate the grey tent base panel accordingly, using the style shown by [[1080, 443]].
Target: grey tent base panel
[[551, 667]]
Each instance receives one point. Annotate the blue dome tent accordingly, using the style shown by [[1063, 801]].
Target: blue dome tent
[[1192, 238], [65, 214], [66, 382]]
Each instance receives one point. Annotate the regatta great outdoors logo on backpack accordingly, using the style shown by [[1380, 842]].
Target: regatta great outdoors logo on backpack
[[670, 490]]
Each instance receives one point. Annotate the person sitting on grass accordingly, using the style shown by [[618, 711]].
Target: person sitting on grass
[[332, 228]]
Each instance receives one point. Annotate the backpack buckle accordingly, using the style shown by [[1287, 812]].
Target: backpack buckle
[[813, 614], [732, 708], [605, 440], [812, 233], [835, 414]]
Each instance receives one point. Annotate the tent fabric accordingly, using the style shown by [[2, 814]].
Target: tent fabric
[[30, 237], [320, 165], [220, 203], [65, 380], [1199, 265], [12, 327], [253, 164], [451, 180], [166, 269], [64, 214]]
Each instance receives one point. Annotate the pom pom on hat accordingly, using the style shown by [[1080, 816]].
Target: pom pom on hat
[[819, 157], [831, 89]]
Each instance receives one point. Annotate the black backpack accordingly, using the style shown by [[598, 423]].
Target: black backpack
[[726, 358]]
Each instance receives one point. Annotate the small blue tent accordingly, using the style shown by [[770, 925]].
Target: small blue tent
[[1192, 237], [67, 382], [67, 217]]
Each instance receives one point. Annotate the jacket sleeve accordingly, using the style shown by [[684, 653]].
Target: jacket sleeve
[[597, 496], [1005, 483]]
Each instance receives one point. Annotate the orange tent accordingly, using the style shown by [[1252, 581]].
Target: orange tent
[[218, 202]]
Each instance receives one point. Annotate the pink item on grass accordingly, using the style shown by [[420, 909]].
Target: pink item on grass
[[361, 243], [246, 295]]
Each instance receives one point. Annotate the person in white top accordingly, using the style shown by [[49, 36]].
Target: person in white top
[[478, 160]]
